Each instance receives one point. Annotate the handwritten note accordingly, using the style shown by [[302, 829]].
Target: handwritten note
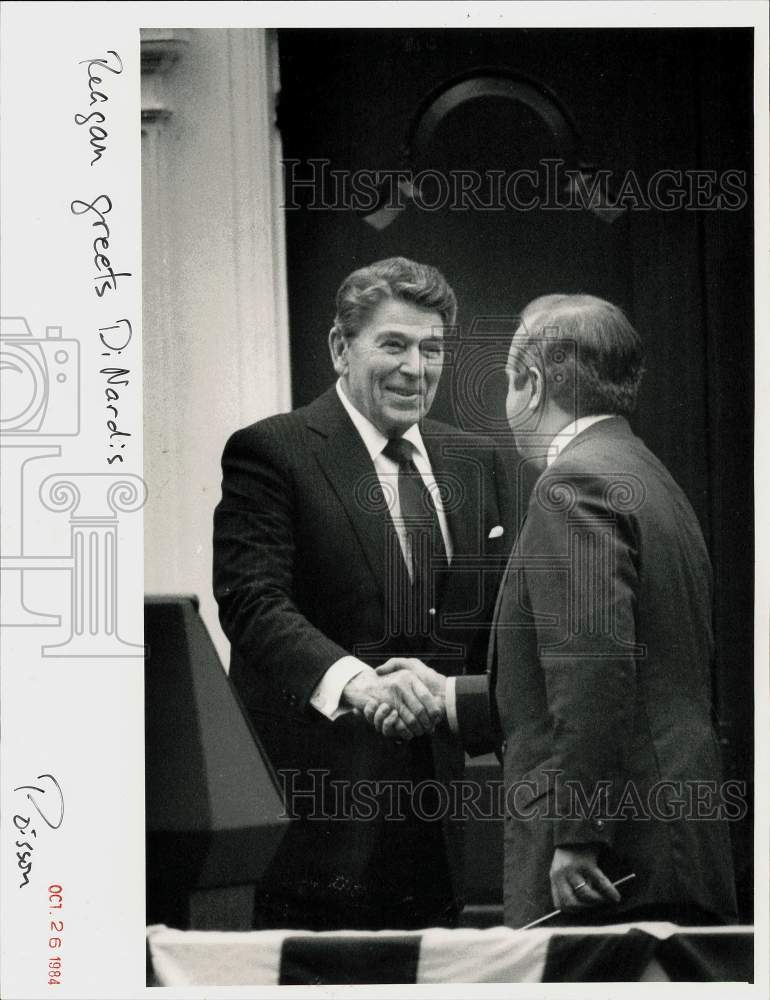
[[106, 278]]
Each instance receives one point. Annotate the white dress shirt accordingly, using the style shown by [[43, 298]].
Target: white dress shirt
[[564, 437], [327, 693]]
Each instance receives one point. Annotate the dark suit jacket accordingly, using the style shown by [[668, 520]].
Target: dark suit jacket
[[301, 549], [601, 676]]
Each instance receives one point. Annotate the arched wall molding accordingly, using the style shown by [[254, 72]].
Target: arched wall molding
[[491, 82]]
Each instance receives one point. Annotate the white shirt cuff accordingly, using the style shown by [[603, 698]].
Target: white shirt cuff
[[327, 693], [451, 705]]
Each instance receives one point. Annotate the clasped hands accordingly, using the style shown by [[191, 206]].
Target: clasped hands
[[402, 699]]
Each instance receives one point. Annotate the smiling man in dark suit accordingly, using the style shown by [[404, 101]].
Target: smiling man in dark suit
[[335, 547], [598, 688]]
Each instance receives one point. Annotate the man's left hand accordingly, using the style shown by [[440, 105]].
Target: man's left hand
[[432, 679], [577, 882], [383, 718]]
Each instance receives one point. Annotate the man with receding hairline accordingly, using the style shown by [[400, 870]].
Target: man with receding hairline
[[598, 694]]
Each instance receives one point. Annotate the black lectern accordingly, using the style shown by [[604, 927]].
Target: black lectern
[[213, 811]]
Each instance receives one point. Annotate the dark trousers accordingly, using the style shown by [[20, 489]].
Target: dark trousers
[[311, 915], [683, 914]]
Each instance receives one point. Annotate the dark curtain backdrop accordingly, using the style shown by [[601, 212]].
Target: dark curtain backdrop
[[644, 101]]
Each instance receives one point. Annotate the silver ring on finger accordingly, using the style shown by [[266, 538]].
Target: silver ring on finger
[[578, 886]]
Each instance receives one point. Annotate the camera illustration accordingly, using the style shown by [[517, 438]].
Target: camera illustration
[[39, 379], [477, 384]]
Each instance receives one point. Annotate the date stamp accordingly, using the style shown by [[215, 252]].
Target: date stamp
[[55, 930]]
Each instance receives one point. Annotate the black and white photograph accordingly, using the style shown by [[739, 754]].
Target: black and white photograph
[[382, 499]]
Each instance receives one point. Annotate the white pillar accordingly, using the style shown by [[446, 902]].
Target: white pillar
[[215, 335]]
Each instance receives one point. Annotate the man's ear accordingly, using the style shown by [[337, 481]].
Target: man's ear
[[538, 388], [338, 347]]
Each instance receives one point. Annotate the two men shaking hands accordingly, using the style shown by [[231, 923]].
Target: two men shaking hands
[[383, 621], [405, 698]]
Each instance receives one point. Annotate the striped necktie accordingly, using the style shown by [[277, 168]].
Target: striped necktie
[[425, 549]]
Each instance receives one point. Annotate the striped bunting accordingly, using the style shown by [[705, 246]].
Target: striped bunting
[[621, 953], [316, 960]]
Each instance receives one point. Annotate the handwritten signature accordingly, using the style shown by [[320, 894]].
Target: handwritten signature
[[54, 805]]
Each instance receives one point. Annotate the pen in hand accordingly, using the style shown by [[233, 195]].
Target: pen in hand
[[555, 913]]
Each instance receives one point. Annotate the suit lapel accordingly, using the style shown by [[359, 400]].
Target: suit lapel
[[505, 582], [617, 426], [450, 470], [345, 462]]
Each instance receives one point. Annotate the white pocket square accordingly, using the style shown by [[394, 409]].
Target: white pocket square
[[496, 531]]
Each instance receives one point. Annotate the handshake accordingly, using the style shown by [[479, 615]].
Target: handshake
[[403, 698]]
